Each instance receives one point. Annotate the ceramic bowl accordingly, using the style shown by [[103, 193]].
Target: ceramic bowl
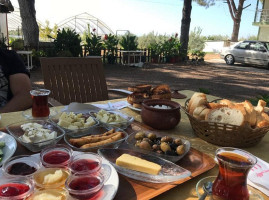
[[160, 114]]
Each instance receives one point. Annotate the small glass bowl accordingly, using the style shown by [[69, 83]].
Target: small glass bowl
[[88, 163], [81, 183], [121, 125], [31, 161], [39, 178], [60, 192], [57, 151], [17, 183], [16, 131]]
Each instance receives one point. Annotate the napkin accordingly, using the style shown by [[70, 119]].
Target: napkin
[[113, 106], [258, 176]]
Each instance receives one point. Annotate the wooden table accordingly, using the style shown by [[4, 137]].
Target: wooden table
[[187, 189]]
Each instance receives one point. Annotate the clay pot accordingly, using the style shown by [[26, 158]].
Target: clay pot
[[157, 118]]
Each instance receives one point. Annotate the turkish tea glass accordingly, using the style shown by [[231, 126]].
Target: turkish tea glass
[[231, 182], [40, 107]]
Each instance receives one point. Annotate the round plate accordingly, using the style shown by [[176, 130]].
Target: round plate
[[253, 195], [110, 187], [133, 108], [28, 113], [10, 146]]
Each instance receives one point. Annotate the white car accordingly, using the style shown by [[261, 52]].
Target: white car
[[249, 52]]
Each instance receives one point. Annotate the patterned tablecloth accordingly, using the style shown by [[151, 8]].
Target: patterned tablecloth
[[186, 190]]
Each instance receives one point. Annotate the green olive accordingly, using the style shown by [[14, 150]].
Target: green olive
[[139, 135], [180, 149], [165, 147], [178, 141], [152, 136], [145, 145], [167, 139], [148, 140], [137, 143]]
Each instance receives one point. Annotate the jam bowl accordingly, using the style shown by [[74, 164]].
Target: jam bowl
[[85, 163], [16, 188], [21, 166], [82, 186], [51, 178], [160, 114], [58, 155]]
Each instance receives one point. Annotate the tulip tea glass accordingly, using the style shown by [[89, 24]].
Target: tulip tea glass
[[40, 107], [231, 182]]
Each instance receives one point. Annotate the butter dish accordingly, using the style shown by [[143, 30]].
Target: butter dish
[[170, 172]]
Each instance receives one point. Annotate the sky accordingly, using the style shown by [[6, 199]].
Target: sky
[[143, 16]]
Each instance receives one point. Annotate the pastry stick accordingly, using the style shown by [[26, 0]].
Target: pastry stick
[[116, 137]]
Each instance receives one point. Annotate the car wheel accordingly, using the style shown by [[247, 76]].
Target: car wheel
[[229, 59]]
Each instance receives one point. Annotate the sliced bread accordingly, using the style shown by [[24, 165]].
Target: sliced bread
[[194, 96], [226, 115]]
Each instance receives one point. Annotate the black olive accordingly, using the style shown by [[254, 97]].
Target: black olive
[[170, 153], [173, 146]]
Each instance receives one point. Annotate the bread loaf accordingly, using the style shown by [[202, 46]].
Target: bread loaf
[[226, 115], [216, 105], [260, 106], [194, 96], [251, 112], [197, 102], [226, 102]]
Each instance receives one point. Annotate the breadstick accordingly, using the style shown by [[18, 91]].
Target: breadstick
[[118, 136], [81, 141]]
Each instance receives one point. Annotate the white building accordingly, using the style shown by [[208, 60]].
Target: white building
[[261, 19]]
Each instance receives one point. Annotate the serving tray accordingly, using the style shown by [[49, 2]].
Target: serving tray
[[194, 161]]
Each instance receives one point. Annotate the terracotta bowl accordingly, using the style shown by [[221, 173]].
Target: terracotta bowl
[[160, 118]]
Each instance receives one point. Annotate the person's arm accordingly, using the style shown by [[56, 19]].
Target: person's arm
[[20, 86]]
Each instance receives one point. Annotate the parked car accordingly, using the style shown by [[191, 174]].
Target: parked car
[[249, 52]]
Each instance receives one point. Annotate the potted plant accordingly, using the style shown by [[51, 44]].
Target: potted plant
[[155, 52], [110, 43], [128, 43]]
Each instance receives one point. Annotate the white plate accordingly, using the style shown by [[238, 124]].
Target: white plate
[[110, 187], [10, 147], [133, 108], [28, 113]]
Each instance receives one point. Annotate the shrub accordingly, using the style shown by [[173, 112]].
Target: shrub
[[93, 44], [129, 42], [196, 40], [68, 40]]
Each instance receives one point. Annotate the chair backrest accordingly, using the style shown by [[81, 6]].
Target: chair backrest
[[74, 79]]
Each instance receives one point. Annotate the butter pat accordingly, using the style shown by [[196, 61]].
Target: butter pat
[[138, 164], [47, 196]]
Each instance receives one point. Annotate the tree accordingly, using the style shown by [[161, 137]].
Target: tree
[[186, 21], [29, 25], [236, 14]]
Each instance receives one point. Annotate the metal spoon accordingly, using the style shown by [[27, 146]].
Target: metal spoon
[[207, 187]]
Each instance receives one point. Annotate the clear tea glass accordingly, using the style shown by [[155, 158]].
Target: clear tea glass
[[40, 107], [231, 182]]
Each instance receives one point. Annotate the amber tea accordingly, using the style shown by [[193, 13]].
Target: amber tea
[[231, 182], [40, 107]]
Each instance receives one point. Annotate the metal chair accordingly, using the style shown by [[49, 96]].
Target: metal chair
[[74, 79]]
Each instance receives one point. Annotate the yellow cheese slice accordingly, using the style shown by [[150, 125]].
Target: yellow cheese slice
[[138, 164]]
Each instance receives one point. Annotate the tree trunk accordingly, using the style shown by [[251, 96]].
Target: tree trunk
[[185, 27], [236, 14], [29, 25]]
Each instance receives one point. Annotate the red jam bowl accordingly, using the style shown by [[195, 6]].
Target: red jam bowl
[[58, 155], [16, 189], [21, 166], [89, 163], [82, 186]]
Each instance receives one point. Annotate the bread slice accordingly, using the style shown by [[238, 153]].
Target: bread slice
[[197, 102], [260, 106], [200, 112], [226, 115], [194, 96], [226, 102], [252, 118], [216, 105]]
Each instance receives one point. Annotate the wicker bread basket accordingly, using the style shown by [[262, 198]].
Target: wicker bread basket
[[225, 134]]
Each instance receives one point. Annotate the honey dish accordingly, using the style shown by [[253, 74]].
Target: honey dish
[[172, 148], [160, 114], [36, 134]]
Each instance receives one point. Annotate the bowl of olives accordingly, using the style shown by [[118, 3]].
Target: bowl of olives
[[159, 144], [160, 114]]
